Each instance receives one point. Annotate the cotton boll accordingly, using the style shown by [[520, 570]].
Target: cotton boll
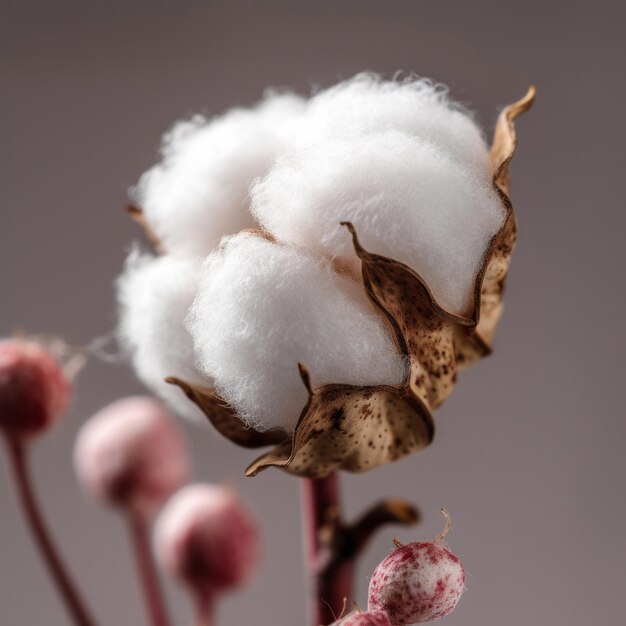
[[368, 104], [154, 296], [407, 199], [262, 308], [199, 191]]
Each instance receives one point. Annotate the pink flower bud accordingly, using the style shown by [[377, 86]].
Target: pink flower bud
[[34, 390], [364, 618], [131, 454], [416, 583], [207, 538]]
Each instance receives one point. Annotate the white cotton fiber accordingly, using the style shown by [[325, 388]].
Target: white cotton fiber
[[154, 295], [262, 308], [401, 161], [417, 107], [408, 199], [199, 190]]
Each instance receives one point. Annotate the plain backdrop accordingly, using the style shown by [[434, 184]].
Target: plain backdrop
[[528, 453]]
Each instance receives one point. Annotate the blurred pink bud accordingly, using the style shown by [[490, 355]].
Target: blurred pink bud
[[364, 618], [131, 454], [207, 538], [34, 390]]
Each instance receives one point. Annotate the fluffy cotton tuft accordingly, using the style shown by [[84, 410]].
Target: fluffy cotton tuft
[[419, 108], [199, 191], [401, 161], [408, 199], [154, 296], [262, 308]]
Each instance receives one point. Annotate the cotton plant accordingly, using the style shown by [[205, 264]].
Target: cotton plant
[[370, 272], [319, 271]]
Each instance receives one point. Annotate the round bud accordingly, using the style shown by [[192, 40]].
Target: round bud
[[416, 583], [34, 390], [207, 538], [364, 618], [131, 454]]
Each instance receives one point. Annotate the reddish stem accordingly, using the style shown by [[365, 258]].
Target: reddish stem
[[204, 607], [41, 534], [330, 577], [147, 572]]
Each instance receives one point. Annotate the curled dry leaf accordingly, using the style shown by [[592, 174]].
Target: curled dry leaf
[[498, 257], [224, 419], [358, 428], [352, 428]]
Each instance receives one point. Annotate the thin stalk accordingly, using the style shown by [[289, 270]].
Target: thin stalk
[[146, 570], [24, 487], [204, 609], [330, 578]]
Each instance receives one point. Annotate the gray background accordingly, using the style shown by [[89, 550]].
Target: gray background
[[528, 454]]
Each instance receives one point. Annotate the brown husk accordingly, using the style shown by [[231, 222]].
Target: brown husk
[[224, 419]]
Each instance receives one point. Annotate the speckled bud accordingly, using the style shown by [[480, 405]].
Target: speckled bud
[[206, 538], [364, 618], [131, 454], [34, 390], [417, 583]]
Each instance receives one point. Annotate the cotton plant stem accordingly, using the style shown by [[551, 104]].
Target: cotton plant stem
[[153, 598], [204, 610], [330, 579], [17, 453]]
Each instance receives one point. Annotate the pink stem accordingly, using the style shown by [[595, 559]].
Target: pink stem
[[146, 569], [41, 534], [204, 605], [330, 577]]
